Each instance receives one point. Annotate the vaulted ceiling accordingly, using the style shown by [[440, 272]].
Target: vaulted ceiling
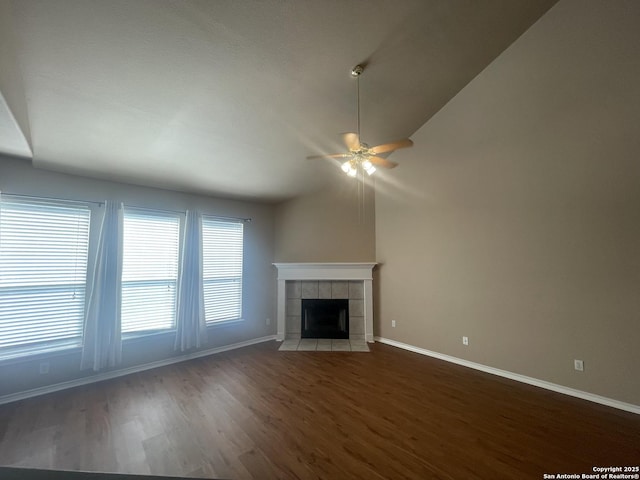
[[227, 98]]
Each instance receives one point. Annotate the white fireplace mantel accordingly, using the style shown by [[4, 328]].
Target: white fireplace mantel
[[326, 271]]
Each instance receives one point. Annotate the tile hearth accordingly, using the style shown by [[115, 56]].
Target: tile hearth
[[323, 345]]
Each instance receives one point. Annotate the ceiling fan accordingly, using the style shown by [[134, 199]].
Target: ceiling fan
[[360, 156]]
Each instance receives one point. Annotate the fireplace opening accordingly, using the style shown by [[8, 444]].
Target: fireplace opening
[[322, 318]]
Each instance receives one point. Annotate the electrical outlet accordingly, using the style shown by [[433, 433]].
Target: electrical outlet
[[393, 323], [44, 368], [268, 321], [465, 340], [578, 365]]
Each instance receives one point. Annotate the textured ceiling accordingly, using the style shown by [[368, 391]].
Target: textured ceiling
[[227, 98]]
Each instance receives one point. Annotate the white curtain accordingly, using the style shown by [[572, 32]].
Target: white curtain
[[191, 326], [102, 338]]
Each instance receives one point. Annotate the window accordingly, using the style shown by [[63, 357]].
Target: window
[[43, 271], [149, 270], [222, 243]]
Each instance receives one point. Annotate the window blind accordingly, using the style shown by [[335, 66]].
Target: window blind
[[43, 270], [149, 270], [222, 249]]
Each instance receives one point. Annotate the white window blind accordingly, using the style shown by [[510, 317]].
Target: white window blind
[[222, 248], [149, 270], [43, 270]]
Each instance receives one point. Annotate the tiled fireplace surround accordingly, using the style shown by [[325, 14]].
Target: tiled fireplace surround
[[352, 281]]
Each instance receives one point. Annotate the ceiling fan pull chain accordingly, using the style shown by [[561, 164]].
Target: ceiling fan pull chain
[[360, 189], [364, 206], [358, 102]]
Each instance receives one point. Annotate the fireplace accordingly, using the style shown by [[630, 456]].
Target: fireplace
[[331, 281], [322, 318]]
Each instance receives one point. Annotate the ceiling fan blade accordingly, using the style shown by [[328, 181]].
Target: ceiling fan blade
[[330, 155], [351, 140], [389, 147], [382, 162]]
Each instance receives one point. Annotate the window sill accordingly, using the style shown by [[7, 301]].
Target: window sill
[[39, 355], [54, 351], [133, 337], [225, 323]]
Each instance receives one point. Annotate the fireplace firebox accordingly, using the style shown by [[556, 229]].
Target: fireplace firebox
[[324, 318]]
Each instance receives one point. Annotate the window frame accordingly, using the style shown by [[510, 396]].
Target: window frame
[[86, 216], [224, 220], [151, 212]]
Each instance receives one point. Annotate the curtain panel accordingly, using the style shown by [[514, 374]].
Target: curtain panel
[[102, 346], [190, 317]]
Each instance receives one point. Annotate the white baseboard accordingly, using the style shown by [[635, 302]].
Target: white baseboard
[[13, 397], [629, 407]]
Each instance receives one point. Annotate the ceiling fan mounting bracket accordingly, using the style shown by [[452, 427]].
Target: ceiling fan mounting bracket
[[357, 70]]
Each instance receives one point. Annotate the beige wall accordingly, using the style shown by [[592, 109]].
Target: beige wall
[[17, 176], [515, 220], [327, 226]]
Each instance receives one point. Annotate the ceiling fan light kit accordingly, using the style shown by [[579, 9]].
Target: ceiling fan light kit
[[350, 167], [361, 158]]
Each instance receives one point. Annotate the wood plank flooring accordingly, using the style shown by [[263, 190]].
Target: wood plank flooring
[[256, 413]]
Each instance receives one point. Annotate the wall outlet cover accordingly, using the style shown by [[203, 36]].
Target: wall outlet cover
[[578, 365]]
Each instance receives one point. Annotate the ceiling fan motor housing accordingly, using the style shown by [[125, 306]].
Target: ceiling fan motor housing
[[357, 70]]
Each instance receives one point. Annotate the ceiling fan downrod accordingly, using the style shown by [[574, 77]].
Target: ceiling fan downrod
[[356, 72]]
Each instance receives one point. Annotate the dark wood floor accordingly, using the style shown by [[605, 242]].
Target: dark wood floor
[[259, 413]]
